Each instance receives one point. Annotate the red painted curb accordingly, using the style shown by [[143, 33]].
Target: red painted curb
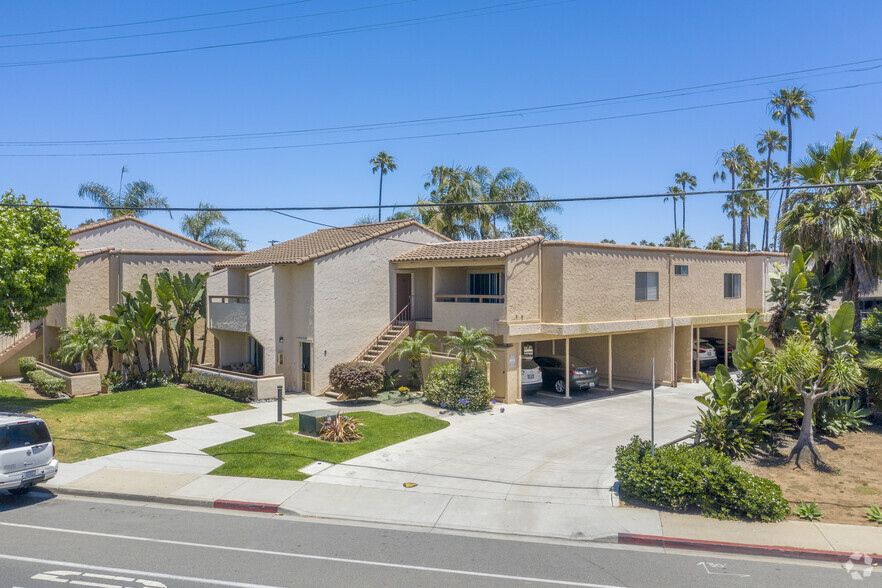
[[741, 548], [249, 506]]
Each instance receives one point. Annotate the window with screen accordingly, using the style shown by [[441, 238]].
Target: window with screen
[[681, 270], [731, 285], [646, 286]]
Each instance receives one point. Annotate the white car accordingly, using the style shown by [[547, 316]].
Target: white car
[[704, 353], [27, 454], [531, 376]]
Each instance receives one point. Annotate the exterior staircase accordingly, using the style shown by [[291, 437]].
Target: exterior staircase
[[9, 346], [382, 347]]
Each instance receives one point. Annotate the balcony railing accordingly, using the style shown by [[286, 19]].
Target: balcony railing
[[470, 298], [229, 299]]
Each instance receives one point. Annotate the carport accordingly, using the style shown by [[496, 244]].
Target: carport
[[621, 357], [725, 333]]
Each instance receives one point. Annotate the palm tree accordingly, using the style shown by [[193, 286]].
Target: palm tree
[[767, 143], [449, 187], [674, 192], [415, 348], [684, 179], [82, 341], [785, 106], [733, 163], [524, 217], [131, 200], [207, 225], [843, 225], [716, 243], [678, 239], [383, 163], [472, 346]]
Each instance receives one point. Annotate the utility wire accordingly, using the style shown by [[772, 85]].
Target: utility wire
[[142, 22], [423, 204], [210, 28], [469, 13], [428, 135], [471, 117], [353, 228]]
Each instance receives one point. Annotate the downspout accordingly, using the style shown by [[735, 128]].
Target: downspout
[[673, 364], [539, 315]]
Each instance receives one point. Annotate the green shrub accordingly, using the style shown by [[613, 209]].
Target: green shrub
[[683, 478], [46, 384], [445, 388], [356, 379], [874, 514], [238, 391], [26, 365], [150, 379]]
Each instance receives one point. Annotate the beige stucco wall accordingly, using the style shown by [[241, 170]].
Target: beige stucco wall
[[133, 235], [88, 291], [294, 319], [262, 284], [354, 298], [79, 384], [9, 366], [522, 281]]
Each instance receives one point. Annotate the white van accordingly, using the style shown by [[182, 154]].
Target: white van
[[27, 454]]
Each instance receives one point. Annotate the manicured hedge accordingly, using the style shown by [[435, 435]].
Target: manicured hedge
[[683, 478], [445, 388], [238, 391], [46, 384], [26, 365], [357, 379]]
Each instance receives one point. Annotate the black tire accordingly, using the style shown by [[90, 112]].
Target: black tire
[[21, 491], [560, 386]]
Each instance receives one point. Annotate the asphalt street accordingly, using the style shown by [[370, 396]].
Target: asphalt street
[[48, 541]]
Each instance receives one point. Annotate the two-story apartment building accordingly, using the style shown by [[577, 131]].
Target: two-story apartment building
[[113, 255], [300, 307]]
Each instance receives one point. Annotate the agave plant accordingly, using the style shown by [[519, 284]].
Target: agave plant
[[340, 429]]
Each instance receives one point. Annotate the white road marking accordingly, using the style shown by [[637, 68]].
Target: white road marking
[[70, 564], [302, 556], [708, 566]]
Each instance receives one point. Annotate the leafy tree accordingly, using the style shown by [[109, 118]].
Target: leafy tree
[[679, 239], [415, 348], [611, 241], [685, 180], [36, 256], [180, 301], [732, 162], [472, 346], [209, 225], [767, 143], [383, 163], [130, 200], [870, 356], [83, 340], [785, 106], [841, 225]]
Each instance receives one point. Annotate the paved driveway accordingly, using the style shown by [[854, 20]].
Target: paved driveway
[[535, 452]]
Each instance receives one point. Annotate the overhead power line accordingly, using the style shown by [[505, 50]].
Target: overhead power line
[[459, 14], [208, 28], [469, 117], [156, 20], [559, 200], [427, 135]]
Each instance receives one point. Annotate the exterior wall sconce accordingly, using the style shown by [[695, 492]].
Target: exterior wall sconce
[[281, 339]]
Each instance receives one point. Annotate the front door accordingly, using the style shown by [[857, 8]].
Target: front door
[[402, 296], [306, 366]]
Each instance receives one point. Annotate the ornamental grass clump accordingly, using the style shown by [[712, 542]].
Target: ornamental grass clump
[[681, 478], [340, 429]]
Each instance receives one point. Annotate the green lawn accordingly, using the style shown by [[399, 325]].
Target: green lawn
[[92, 426], [275, 452]]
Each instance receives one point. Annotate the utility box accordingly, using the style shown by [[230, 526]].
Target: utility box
[[310, 422]]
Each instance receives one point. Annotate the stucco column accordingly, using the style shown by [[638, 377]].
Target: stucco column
[[609, 363], [567, 365], [696, 345], [726, 347]]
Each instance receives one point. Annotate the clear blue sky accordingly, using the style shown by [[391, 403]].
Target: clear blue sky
[[542, 53]]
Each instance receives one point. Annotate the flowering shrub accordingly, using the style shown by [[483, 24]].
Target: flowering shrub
[[356, 379], [445, 388], [340, 429], [404, 390], [682, 478]]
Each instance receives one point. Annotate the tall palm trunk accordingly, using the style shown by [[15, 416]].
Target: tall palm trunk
[[675, 214], [744, 231], [684, 209], [768, 181], [732, 197], [380, 204], [786, 195]]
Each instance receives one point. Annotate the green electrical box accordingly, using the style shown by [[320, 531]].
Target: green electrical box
[[310, 422]]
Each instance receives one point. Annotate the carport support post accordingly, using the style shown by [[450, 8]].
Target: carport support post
[[567, 365], [696, 347], [726, 346], [652, 408], [609, 363]]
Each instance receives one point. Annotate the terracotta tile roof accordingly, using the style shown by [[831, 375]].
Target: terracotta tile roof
[[119, 219], [484, 249], [318, 244]]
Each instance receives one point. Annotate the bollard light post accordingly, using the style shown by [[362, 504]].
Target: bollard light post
[[279, 405]]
